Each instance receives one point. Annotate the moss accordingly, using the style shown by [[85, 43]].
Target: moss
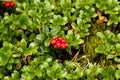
[[92, 41]]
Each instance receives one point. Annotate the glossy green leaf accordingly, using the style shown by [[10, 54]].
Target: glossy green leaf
[[38, 73], [100, 71], [58, 20], [23, 21], [118, 48], [54, 31], [117, 59], [48, 60], [19, 9], [40, 37], [110, 56], [118, 38], [3, 59], [9, 66], [118, 66], [77, 42], [15, 75], [117, 74], [111, 71], [47, 42], [103, 49], [101, 35], [23, 44], [7, 78]]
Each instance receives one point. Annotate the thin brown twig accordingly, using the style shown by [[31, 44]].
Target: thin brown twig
[[75, 57]]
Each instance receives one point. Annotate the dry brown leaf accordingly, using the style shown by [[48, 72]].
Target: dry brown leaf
[[21, 31], [101, 18], [19, 65], [24, 58]]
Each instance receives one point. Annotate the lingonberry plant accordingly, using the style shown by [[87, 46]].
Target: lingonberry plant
[[59, 40]]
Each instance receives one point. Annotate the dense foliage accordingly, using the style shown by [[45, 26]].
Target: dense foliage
[[90, 30]]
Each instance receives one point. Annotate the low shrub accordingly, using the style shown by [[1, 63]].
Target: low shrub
[[60, 40]]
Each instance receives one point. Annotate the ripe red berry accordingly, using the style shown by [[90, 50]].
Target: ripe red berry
[[60, 38], [63, 46], [55, 46], [53, 42], [59, 42], [63, 41], [12, 4], [7, 4]]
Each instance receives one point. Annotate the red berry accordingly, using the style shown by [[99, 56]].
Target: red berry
[[63, 46], [63, 41], [58, 44], [53, 42], [60, 38], [12, 4], [55, 46], [7, 4], [56, 39]]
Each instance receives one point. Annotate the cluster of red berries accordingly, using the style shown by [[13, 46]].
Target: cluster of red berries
[[59, 42], [9, 4]]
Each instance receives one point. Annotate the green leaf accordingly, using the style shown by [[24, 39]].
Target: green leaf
[[47, 42], [19, 9], [54, 31], [117, 59], [70, 36], [118, 38], [3, 58], [48, 60], [117, 74], [28, 69], [118, 48], [24, 5], [111, 71], [77, 42], [7, 78], [38, 73], [32, 13], [110, 56], [100, 71], [65, 3], [58, 20], [23, 20], [15, 75], [9, 66], [101, 35], [118, 66], [33, 45], [1, 75], [103, 49], [45, 30], [36, 2], [4, 30], [7, 45], [50, 73], [23, 44], [40, 37], [28, 76]]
